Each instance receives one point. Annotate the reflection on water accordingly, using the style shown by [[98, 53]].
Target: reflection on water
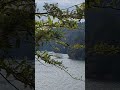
[[51, 78]]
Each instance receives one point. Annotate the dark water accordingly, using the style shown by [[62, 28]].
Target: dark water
[[51, 78]]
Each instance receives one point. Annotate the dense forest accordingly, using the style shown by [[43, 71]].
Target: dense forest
[[73, 38]]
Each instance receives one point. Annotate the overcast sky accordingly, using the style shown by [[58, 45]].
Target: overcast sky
[[62, 3]]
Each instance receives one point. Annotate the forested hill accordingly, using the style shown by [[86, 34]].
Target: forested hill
[[72, 37]]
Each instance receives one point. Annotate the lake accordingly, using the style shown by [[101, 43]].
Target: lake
[[48, 77]]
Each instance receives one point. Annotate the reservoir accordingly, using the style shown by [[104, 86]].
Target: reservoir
[[48, 77]]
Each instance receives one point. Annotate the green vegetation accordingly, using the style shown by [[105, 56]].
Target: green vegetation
[[106, 49], [16, 23], [75, 40], [13, 26], [49, 29]]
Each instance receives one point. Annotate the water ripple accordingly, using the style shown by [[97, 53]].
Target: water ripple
[[52, 78]]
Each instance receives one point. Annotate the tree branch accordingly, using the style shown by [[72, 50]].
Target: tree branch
[[42, 13], [9, 81], [106, 7]]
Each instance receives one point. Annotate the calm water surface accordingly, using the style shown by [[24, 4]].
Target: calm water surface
[[51, 78]]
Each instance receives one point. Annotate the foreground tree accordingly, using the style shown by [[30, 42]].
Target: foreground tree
[[56, 19], [14, 27], [17, 25], [45, 31]]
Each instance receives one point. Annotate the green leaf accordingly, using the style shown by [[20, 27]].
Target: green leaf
[[50, 21]]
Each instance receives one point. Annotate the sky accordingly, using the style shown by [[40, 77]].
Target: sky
[[62, 3]]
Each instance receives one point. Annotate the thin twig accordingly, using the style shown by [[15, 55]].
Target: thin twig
[[42, 63], [69, 74], [9, 81], [61, 9], [71, 6]]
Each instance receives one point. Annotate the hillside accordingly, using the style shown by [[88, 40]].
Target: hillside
[[72, 37]]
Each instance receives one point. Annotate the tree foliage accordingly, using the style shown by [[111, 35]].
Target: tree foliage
[[16, 24], [104, 48], [113, 4], [13, 26], [48, 29]]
